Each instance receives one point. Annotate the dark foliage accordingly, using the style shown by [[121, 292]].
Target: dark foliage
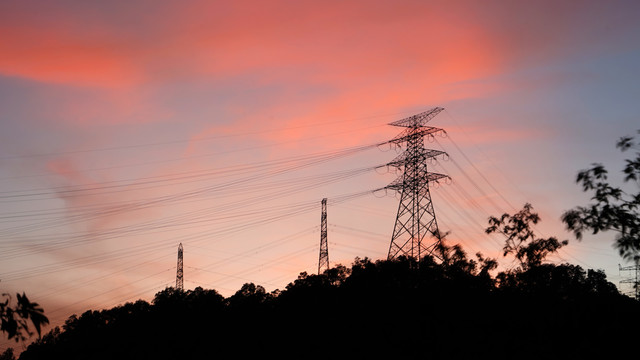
[[16, 320], [7, 354], [611, 208], [521, 240], [450, 308]]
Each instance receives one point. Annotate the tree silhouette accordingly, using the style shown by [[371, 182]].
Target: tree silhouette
[[521, 240], [7, 355], [611, 208], [15, 320]]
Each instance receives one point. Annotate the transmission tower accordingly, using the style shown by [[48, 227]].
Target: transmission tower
[[416, 218], [633, 280], [180, 271], [323, 262]]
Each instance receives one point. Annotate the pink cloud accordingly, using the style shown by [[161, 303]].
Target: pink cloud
[[59, 55], [317, 62], [333, 43]]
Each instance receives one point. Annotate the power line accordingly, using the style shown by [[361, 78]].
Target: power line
[[209, 155], [190, 140]]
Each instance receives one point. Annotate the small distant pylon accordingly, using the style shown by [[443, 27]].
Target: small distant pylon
[[323, 262], [633, 280], [180, 270], [416, 218]]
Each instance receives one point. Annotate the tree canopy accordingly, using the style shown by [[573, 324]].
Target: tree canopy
[[521, 240], [449, 306], [612, 207], [17, 320]]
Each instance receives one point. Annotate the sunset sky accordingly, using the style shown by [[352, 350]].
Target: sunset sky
[[128, 127]]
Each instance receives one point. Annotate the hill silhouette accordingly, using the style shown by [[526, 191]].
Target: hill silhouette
[[445, 307]]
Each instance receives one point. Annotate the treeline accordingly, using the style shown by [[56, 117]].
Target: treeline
[[445, 306]]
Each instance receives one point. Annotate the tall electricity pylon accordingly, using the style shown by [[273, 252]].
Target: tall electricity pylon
[[416, 217], [323, 262], [633, 280], [180, 271]]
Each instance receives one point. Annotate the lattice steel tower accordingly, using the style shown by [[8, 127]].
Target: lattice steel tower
[[180, 271], [634, 280], [323, 262], [416, 218]]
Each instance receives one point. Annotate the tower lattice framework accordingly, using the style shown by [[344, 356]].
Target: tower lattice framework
[[415, 232], [323, 261], [180, 270], [634, 280]]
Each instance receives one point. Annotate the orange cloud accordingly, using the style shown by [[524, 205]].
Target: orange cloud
[[335, 45], [395, 45], [61, 55]]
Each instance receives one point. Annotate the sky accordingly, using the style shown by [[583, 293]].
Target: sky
[[128, 127]]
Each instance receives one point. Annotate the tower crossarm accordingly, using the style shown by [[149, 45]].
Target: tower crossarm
[[405, 157], [435, 177], [401, 182], [412, 133], [418, 120]]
